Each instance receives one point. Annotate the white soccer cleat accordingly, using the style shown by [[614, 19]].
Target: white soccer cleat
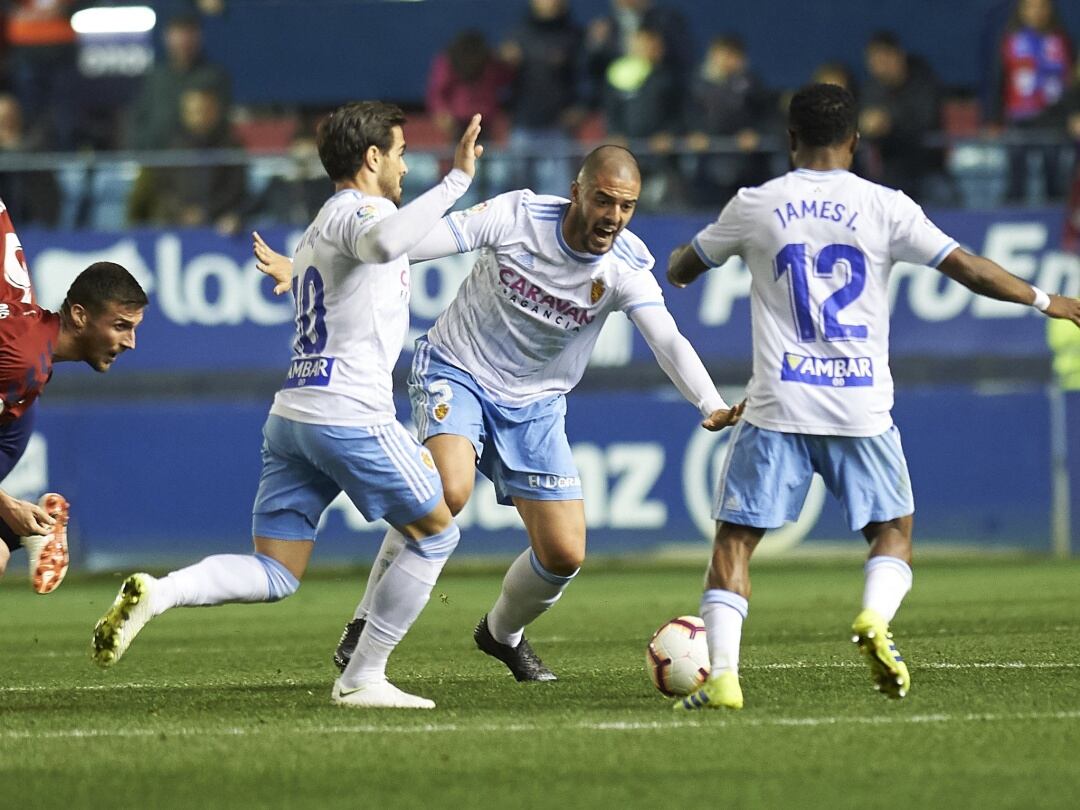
[[379, 695], [48, 553], [129, 613]]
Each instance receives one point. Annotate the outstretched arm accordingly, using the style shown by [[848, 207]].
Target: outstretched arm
[[272, 263], [684, 265], [988, 278], [400, 232], [683, 366]]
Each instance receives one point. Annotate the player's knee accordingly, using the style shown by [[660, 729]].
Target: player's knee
[[280, 580], [436, 546], [563, 561], [456, 495]]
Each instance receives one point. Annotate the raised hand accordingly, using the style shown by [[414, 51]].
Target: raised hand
[[467, 149]]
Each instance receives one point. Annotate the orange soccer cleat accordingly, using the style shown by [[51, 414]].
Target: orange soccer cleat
[[49, 553]]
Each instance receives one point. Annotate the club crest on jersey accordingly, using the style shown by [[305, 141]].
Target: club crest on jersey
[[597, 291], [441, 411], [307, 371], [835, 372]]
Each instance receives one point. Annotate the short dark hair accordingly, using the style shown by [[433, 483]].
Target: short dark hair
[[822, 115], [103, 283], [348, 132]]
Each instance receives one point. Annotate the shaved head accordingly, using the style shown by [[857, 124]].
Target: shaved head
[[602, 199], [610, 161]]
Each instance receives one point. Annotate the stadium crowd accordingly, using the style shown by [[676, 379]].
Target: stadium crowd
[[553, 87]]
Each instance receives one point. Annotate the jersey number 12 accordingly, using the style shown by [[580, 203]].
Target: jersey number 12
[[792, 262]]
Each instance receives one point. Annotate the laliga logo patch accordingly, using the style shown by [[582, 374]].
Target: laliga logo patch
[[365, 212], [441, 411], [597, 291], [425, 457]]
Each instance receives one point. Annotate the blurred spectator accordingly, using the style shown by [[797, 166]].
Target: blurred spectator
[[611, 37], [465, 79], [835, 73], [544, 52], [204, 194], [1070, 110], [642, 93], [294, 197], [642, 101], [1033, 73], [44, 73], [728, 101], [155, 115], [32, 197], [901, 107]]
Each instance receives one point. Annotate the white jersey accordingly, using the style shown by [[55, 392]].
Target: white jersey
[[351, 320], [525, 320], [820, 246]]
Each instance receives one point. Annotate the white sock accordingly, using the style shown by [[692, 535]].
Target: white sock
[[398, 599], [723, 613], [392, 544], [888, 580], [223, 578], [528, 590]]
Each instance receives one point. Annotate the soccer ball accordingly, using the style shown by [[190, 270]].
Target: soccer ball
[[678, 656]]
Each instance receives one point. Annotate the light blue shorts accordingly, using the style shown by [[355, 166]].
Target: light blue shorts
[[767, 474], [524, 451], [383, 469]]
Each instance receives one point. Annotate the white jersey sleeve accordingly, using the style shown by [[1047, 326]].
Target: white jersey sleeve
[[637, 286], [722, 239], [914, 238], [487, 224]]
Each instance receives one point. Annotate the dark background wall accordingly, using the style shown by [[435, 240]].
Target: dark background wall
[[323, 51]]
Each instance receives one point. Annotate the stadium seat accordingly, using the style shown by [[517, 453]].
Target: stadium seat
[[266, 135]]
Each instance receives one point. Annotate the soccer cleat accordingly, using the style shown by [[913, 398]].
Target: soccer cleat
[[521, 660], [720, 692], [48, 553], [887, 668], [379, 695], [350, 637], [129, 613]]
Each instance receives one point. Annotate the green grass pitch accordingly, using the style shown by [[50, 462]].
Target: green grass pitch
[[229, 706]]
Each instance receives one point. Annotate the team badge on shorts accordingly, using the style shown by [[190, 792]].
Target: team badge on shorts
[[425, 457], [441, 411], [597, 292]]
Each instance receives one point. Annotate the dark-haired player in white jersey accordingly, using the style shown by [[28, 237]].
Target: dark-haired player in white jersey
[[820, 242], [333, 426], [489, 379]]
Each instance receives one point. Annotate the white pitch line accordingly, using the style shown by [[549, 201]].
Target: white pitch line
[[107, 687], [719, 720]]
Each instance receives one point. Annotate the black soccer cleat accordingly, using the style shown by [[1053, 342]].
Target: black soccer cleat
[[350, 637], [523, 663]]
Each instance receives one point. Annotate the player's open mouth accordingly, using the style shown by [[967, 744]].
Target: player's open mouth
[[604, 232]]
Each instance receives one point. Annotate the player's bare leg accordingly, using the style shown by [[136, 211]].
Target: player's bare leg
[[888, 580], [724, 606], [455, 459], [534, 582], [396, 603]]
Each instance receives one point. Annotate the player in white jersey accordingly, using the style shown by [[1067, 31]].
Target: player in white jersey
[[489, 379], [332, 427], [820, 243]]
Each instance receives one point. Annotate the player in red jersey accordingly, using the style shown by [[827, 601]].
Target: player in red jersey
[[95, 324]]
